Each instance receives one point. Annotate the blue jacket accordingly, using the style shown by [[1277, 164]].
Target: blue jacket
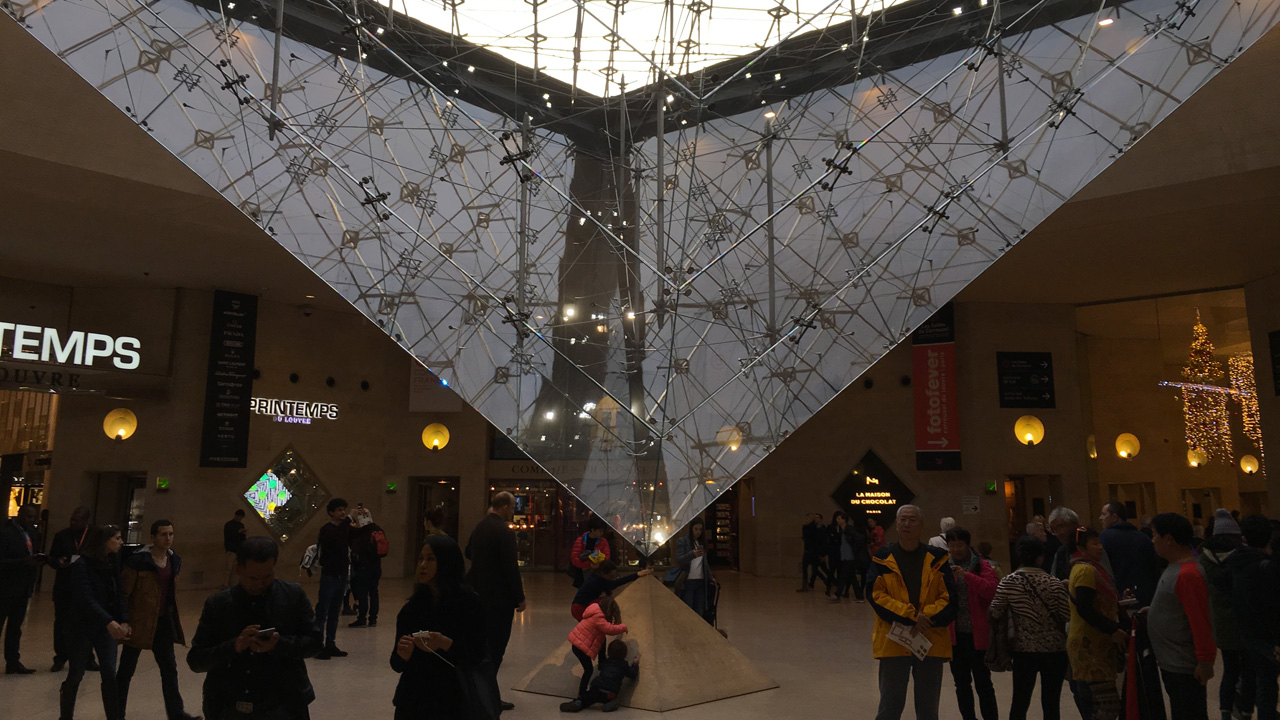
[[1133, 560]]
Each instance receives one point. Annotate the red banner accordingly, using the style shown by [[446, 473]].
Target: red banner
[[934, 378], [933, 373]]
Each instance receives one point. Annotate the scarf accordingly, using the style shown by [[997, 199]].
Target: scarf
[[1104, 586]]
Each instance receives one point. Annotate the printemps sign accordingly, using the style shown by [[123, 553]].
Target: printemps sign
[[297, 412], [85, 349]]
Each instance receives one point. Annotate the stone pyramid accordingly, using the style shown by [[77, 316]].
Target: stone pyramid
[[683, 660]]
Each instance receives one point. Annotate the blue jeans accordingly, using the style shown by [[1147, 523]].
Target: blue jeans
[[82, 649], [329, 606], [695, 596], [896, 673]]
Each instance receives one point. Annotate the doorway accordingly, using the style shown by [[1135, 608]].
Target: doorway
[[1138, 499], [120, 499], [1198, 504], [434, 498], [537, 522], [1029, 498]]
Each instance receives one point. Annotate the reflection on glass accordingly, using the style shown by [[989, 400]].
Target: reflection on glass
[[648, 312], [286, 494]]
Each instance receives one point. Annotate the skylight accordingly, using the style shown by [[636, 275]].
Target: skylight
[[628, 41]]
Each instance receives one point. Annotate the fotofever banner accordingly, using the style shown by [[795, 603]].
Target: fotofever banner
[[933, 378]]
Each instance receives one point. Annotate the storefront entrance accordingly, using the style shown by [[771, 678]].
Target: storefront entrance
[[435, 500], [1028, 498], [120, 500]]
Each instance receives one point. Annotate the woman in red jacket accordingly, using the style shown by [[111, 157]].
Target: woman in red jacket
[[598, 620], [875, 536], [593, 543], [976, 586]]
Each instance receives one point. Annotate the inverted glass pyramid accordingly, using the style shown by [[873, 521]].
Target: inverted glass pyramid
[[648, 292]]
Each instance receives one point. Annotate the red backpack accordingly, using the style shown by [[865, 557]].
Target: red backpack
[[379, 539]]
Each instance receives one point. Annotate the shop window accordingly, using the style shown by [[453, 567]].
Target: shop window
[[286, 494]]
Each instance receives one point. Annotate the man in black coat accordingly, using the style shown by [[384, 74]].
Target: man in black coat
[[65, 545], [815, 548], [1132, 554], [20, 557], [495, 575], [253, 640]]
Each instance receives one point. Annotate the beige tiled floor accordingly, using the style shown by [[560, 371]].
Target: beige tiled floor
[[818, 653]]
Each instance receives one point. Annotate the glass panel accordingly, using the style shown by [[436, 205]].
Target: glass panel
[[286, 495], [646, 294]]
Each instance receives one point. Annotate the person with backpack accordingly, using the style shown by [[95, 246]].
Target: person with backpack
[[1238, 688], [589, 550], [368, 546]]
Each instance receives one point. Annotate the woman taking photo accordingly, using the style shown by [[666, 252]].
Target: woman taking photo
[[99, 619], [1037, 606], [1096, 634], [440, 629]]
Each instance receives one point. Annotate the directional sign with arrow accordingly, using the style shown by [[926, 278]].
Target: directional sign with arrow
[[1026, 379]]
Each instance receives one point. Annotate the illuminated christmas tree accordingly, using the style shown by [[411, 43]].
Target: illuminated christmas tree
[[1204, 404]]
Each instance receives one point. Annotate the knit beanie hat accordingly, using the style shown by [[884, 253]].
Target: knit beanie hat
[[1224, 524]]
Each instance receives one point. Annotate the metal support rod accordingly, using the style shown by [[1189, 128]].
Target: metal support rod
[[1004, 109], [769, 253], [660, 237], [522, 277], [275, 69]]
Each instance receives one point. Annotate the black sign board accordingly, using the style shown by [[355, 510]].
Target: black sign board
[[941, 328], [224, 441], [872, 490], [1026, 379], [1273, 339]]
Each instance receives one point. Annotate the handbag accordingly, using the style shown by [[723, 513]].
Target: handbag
[[481, 696], [999, 657]]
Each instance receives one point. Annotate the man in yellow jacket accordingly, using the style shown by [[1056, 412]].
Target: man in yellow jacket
[[910, 585]]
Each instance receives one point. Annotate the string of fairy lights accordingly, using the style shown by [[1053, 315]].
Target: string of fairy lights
[[1206, 404]]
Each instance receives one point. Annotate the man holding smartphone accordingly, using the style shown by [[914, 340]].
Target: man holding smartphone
[[253, 641], [20, 557]]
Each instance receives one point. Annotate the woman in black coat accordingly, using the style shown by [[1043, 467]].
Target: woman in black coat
[[100, 618], [440, 629]]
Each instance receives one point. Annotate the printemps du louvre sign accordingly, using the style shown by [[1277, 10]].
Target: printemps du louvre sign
[[871, 489], [32, 356]]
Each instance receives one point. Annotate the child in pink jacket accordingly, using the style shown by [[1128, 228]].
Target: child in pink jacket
[[598, 620]]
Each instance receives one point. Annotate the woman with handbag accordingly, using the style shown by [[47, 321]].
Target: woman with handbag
[[1096, 635], [1036, 605], [441, 640]]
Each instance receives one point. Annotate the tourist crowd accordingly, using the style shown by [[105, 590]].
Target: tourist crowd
[[1123, 614]]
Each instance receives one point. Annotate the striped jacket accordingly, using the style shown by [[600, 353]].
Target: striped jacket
[[1040, 608]]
